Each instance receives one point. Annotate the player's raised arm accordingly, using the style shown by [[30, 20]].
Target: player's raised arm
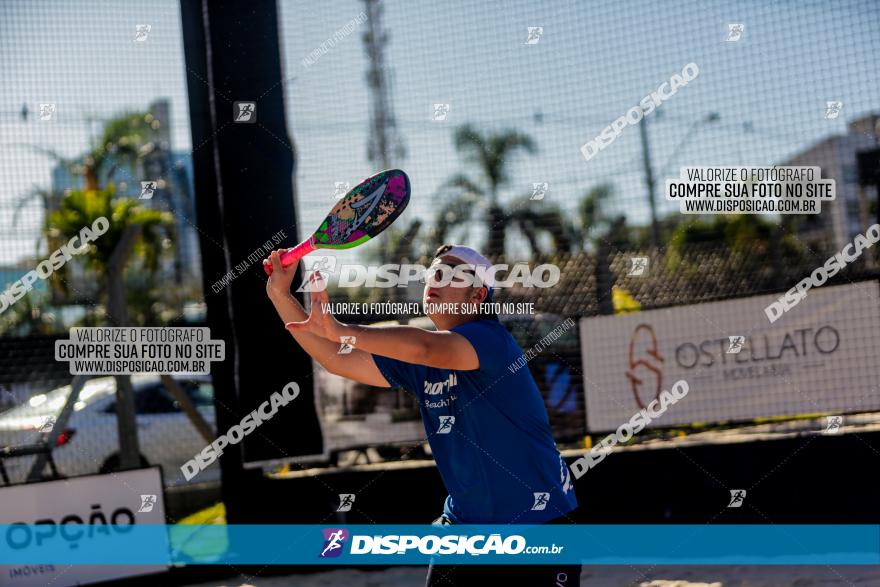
[[357, 365], [444, 350]]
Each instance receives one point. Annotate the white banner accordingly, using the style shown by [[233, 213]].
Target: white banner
[[819, 357], [122, 498]]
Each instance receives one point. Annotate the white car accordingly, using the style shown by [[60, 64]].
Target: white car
[[88, 444]]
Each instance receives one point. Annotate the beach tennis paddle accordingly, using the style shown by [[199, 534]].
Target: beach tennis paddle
[[364, 212]]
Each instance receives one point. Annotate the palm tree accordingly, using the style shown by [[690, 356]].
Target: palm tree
[[132, 229], [536, 218], [125, 140], [490, 154], [597, 225], [126, 215]]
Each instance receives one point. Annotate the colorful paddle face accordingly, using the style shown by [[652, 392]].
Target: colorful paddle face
[[364, 212]]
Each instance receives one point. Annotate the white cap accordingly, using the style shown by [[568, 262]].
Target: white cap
[[474, 260]]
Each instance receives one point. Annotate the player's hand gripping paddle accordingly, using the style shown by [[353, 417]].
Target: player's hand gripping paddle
[[364, 212]]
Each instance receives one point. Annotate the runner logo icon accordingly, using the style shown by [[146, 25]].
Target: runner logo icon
[[333, 541]]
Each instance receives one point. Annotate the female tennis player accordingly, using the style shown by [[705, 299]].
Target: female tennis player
[[486, 424]]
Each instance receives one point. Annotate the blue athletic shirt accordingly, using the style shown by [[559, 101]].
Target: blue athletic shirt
[[489, 432]]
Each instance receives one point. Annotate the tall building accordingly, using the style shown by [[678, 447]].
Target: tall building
[[173, 174], [849, 214]]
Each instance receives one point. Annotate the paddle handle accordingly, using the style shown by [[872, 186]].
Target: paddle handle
[[292, 256]]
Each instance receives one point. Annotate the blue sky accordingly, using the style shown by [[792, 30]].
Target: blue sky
[[592, 63]]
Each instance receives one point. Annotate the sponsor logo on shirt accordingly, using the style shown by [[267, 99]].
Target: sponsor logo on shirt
[[439, 387], [443, 403]]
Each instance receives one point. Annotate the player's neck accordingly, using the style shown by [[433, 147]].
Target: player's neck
[[450, 321]]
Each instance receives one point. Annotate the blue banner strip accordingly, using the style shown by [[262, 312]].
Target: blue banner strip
[[775, 544]]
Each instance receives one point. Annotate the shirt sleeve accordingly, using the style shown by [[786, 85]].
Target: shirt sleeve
[[401, 374], [488, 341]]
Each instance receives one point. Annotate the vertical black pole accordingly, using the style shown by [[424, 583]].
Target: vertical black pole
[[604, 277], [244, 196]]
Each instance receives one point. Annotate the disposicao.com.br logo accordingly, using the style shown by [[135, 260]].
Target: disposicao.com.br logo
[[430, 544]]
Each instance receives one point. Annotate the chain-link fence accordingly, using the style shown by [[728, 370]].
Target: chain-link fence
[[497, 117]]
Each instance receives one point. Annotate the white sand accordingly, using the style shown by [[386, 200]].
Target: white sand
[[619, 576]]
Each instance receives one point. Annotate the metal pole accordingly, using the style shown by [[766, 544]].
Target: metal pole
[[649, 180]]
